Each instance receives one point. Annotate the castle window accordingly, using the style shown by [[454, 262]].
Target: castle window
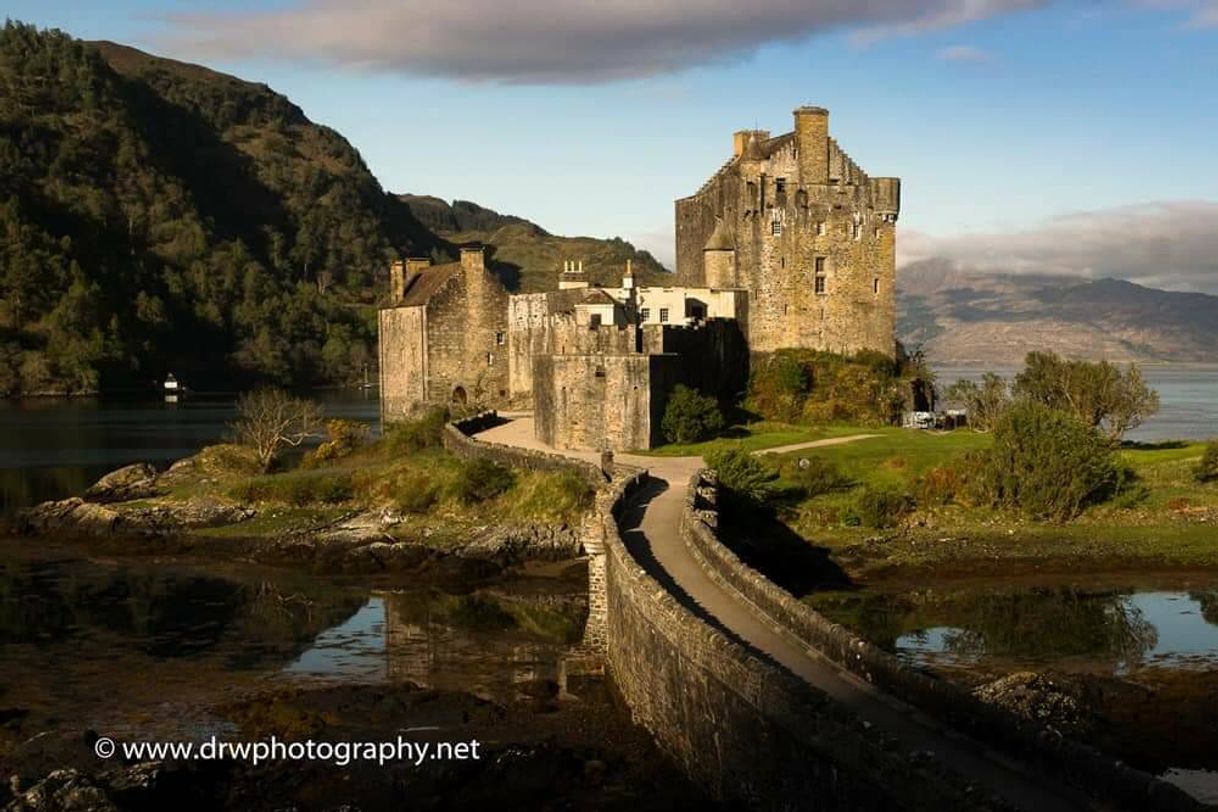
[[644, 313], [500, 339], [600, 372], [776, 227], [663, 315], [490, 359], [856, 231], [820, 283], [819, 280], [780, 185], [877, 234], [875, 285], [820, 228], [819, 266]]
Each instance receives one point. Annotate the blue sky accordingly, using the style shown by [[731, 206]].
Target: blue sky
[[1019, 128]]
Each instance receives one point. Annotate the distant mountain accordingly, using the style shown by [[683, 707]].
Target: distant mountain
[[963, 317], [524, 254]]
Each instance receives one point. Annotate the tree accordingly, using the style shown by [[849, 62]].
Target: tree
[[269, 420], [985, 402], [690, 416], [1099, 394], [1207, 468]]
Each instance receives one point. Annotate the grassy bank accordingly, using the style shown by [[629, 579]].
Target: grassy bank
[[1166, 518], [406, 472]]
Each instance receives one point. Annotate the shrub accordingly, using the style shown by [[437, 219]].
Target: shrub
[[690, 416], [342, 437], [881, 507], [1046, 463], [743, 475], [815, 476], [416, 435], [228, 458], [480, 479], [984, 402], [560, 496], [941, 485], [1207, 468], [415, 492]]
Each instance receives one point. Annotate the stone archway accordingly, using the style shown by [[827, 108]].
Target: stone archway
[[459, 396]]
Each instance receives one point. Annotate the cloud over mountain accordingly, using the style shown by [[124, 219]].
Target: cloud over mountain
[[550, 41], [1169, 244]]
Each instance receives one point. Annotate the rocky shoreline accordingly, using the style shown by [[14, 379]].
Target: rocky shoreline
[[126, 511]]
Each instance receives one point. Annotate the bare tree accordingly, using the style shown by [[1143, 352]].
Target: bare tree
[[268, 420]]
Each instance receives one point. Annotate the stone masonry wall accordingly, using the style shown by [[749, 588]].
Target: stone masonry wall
[[748, 731], [1076, 764], [403, 361], [467, 337], [785, 210]]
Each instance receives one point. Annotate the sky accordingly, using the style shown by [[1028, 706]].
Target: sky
[[1060, 137]]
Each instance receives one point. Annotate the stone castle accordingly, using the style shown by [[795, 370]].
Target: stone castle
[[789, 244]]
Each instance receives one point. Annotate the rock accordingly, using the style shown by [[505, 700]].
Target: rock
[[1053, 701], [137, 481], [63, 791], [78, 516], [509, 546]]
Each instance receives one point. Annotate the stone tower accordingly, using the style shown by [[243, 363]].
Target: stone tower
[[796, 222]]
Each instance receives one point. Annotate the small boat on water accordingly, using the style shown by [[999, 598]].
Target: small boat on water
[[171, 385]]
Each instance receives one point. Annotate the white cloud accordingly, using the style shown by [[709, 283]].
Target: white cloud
[[550, 41], [963, 53], [1201, 13], [1169, 244]]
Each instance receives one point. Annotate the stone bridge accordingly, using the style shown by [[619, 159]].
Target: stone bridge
[[763, 700]]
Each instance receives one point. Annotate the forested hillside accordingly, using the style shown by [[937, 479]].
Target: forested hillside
[[159, 217]]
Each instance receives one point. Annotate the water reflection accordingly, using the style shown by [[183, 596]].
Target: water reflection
[[1109, 631], [110, 642]]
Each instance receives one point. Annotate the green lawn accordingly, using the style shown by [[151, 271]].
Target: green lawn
[[1173, 524]]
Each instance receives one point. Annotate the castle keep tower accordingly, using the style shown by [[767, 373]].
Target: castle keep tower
[[796, 222]]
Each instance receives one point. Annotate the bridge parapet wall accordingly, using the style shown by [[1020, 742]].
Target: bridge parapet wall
[[1075, 763], [742, 727]]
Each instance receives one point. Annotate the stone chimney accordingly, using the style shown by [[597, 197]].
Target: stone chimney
[[812, 144], [572, 275], [473, 258], [397, 281]]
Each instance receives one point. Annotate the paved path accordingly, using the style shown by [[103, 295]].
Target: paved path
[[650, 528]]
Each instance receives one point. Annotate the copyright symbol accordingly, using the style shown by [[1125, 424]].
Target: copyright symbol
[[104, 747]]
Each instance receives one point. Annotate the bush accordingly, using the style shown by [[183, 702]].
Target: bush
[[941, 485], [815, 476], [299, 489], [342, 437], [1207, 469], [560, 496], [479, 479], [227, 458], [1046, 463], [820, 387], [415, 492], [409, 438], [881, 507], [743, 475], [690, 416]]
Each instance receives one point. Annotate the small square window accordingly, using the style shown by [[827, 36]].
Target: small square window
[[819, 266], [663, 315], [500, 339], [820, 228], [820, 283], [776, 227], [644, 313], [780, 185]]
